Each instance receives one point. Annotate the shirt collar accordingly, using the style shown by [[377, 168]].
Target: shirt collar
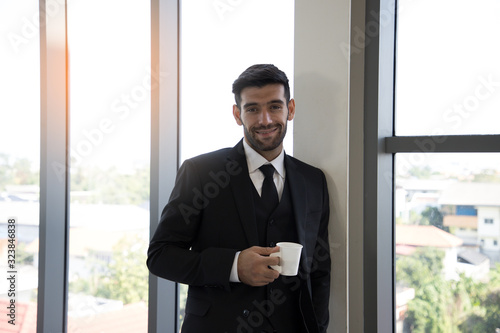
[[256, 160]]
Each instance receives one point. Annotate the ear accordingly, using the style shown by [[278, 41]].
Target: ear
[[237, 114], [291, 109]]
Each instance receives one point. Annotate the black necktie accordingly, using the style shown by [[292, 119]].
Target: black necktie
[[269, 193]]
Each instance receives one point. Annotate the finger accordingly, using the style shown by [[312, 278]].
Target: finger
[[263, 279], [273, 249], [272, 261], [265, 251], [271, 275], [260, 250]]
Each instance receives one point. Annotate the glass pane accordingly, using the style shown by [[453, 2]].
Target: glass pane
[[110, 83], [448, 73], [447, 211], [219, 40], [19, 164]]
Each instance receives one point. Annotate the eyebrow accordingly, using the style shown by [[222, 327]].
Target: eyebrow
[[274, 101]]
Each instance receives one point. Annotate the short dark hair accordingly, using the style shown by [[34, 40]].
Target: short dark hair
[[259, 76]]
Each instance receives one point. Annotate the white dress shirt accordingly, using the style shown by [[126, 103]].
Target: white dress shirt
[[254, 162]]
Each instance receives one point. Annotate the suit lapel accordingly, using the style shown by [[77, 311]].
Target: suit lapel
[[299, 202], [241, 187]]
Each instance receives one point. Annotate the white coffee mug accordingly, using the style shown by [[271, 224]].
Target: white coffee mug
[[289, 255]]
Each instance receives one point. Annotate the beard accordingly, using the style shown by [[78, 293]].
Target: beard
[[265, 145]]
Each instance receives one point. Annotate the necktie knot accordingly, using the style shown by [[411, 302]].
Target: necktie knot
[[267, 170]]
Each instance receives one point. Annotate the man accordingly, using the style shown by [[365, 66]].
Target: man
[[220, 225]]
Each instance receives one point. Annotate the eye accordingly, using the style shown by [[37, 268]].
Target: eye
[[276, 107]]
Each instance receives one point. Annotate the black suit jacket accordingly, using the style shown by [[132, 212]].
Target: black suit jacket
[[210, 217]]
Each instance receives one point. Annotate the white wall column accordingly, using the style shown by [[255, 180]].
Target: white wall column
[[328, 133]]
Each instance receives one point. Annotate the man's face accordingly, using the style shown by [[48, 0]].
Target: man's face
[[264, 113]]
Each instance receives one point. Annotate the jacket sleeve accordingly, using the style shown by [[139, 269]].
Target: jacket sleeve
[[170, 253], [320, 274]]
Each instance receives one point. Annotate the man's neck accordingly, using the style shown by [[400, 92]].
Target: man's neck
[[268, 154]]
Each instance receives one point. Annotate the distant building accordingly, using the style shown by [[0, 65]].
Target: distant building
[[417, 194], [473, 264], [472, 211], [403, 296], [456, 261]]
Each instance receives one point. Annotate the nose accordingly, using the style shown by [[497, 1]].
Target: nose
[[265, 118]]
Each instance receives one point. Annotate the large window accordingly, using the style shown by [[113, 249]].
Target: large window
[[446, 166], [74, 165], [431, 166], [19, 163], [110, 87]]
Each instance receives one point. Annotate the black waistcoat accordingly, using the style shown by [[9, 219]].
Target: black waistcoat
[[279, 301]]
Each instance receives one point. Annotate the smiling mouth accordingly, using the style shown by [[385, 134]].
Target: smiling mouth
[[266, 131]]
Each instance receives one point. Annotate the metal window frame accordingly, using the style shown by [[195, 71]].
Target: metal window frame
[[163, 294], [378, 229], [54, 175], [443, 144]]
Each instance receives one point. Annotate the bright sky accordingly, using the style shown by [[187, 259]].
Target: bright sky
[[448, 78], [19, 79], [218, 42]]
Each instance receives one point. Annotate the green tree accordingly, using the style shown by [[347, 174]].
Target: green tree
[[22, 256], [23, 173], [128, 275], [5, 171], [485, 316], [420, 172], [442, 306], [111, 186], [487, 176], [487, 319], [495, 276], [433, 216], [428, 311], [421, 267], [124, 279], [17, 172]]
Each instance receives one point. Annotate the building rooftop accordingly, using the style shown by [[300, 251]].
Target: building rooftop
[[472, 257], [130, 318], [425, 235], [83, 240]]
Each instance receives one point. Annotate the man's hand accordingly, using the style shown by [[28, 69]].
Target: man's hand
[[253, 266]]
